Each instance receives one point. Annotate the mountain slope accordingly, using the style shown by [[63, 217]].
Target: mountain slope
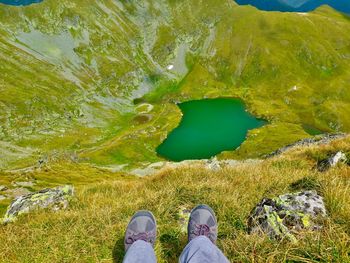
[[72, 72]]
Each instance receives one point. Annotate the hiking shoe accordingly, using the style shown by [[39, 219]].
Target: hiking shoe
[[142, 226], [202, 222]]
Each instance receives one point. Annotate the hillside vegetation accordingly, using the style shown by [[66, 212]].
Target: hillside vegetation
[[92, 230], [88, 90], [75, 75]]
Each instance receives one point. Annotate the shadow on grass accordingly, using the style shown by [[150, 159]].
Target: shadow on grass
[[118, 251], [306, 183], [172, 246]]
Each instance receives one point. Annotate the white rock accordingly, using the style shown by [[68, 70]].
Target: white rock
[[332, 161], [214, 164], [338, 157], [170, 67], [294, 88]]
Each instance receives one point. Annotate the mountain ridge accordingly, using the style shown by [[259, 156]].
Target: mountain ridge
[[75, 90]]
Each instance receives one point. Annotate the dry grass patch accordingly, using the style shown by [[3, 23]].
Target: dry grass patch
[[92, 229]]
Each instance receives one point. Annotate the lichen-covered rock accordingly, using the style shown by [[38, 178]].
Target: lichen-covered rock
[[287, 214], [212, 164], [332, 161], [55, 198], [3, 188]]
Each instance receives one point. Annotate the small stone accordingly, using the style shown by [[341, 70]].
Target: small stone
[[184, 216], [2, 197], [3, 188], [213, 164]]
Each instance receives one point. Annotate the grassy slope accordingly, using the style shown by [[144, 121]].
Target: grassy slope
[[70, 74], [68, 80], [92, 229]]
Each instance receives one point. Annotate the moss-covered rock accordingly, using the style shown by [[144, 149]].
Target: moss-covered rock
[[283, 216], [55, 198]]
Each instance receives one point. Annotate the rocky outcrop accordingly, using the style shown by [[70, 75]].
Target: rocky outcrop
[[317, 140], [211, 164], [55, 198], [332, 161], [214, 164], [286, 215]]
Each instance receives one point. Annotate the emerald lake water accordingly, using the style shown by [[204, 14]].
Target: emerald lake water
[[19, 2], [296, 5], [207, 128]]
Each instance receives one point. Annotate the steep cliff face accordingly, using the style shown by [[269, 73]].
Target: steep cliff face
[[71, 72]]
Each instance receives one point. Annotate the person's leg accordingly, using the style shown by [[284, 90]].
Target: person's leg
[[202, 250], [140, 251], [140, 237], [202, 234]]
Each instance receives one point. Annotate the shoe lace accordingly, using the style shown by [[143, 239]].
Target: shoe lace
[[201, 230], [145, 236]]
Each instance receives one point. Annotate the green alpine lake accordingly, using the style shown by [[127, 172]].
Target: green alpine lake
[[208, 127]]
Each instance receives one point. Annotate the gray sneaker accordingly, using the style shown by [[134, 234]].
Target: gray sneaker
[[142, 226], [202, 222]]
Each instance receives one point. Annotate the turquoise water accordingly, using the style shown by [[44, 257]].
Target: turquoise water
[[207, 128], [296, 5], [19, 2]]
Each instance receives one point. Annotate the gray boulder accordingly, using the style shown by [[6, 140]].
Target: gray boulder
[[54, 198], [284, 216]]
